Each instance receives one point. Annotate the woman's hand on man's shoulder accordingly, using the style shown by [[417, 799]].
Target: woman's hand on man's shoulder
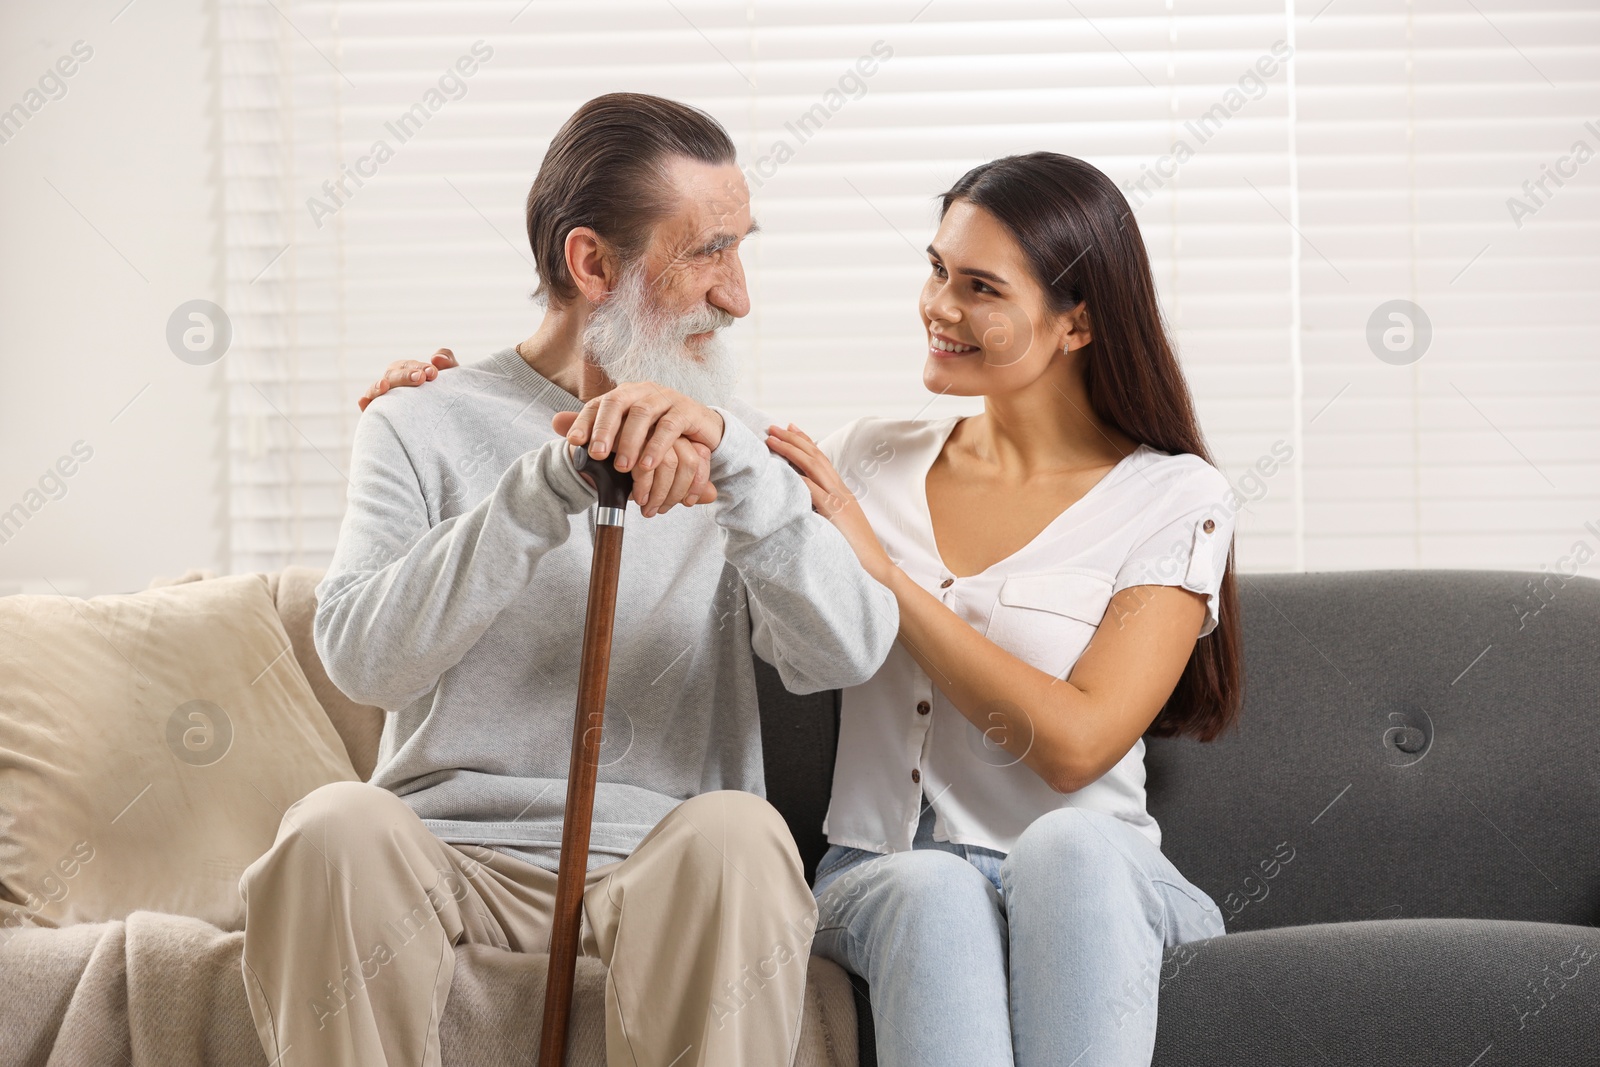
[[407, 372]]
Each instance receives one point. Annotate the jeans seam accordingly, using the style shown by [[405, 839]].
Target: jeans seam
[[1190, 897], [821, 874], [848, 859], [857, 942], [1182, 888]]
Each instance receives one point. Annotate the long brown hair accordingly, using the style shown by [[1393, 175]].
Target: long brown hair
[[1083, 245]]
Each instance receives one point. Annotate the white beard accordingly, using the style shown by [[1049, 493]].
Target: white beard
[[629, 339]]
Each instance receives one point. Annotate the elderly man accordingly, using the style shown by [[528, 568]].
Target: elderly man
[[455, 601]]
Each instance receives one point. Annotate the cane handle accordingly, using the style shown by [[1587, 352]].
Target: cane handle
[[612, 485]]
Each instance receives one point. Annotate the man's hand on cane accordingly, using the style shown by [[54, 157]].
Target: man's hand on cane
[[662, 437]]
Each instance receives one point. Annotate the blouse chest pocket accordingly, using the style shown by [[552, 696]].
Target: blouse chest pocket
[[1047, 619]]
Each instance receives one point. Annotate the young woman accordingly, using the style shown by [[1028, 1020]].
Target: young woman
[[1062, 563], [1062, 566]]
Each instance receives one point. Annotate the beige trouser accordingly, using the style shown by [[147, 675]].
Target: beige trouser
[[351, 917]]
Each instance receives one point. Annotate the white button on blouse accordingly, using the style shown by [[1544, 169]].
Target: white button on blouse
[[1155, 519]]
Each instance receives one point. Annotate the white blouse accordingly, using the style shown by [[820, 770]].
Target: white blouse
[[1155, 519]]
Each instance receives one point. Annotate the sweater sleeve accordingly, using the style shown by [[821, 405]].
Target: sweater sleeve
[[403, 600], [815, 614]]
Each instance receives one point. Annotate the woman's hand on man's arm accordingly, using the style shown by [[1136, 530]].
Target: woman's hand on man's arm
[[830, 497]]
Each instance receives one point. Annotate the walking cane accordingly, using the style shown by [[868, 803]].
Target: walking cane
[[613, 488]]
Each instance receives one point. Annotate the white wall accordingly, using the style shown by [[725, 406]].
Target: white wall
[[84, 299]]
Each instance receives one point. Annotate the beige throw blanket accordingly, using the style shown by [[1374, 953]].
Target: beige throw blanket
[[162, 990]]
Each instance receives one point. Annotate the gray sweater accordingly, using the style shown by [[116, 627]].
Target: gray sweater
[[455, 601]]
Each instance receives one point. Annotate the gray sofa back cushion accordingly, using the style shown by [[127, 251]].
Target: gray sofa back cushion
[[1413, 743], [1423, 742], [798, 738]]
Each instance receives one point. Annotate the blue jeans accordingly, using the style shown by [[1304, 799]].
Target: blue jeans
[[1051, 955]]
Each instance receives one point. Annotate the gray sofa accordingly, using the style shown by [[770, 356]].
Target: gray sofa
[[1402, 834]]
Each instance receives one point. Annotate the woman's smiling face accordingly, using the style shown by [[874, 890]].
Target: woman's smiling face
[[990, 329]]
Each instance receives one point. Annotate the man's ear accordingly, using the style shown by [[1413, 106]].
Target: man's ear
[[590, 263]]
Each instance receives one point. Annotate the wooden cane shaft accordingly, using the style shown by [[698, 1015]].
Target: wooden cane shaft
[[581, 776]]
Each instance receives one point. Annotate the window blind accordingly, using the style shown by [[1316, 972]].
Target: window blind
[[1294, 170]]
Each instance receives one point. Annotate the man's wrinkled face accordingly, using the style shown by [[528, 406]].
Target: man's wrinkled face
[[660, 321], [693, 257]]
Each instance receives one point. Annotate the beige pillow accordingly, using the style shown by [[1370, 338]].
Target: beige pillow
[[149, 745]]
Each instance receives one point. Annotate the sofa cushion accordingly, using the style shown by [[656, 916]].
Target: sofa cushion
[[798, 737], [149, 744], [359, 725], [1413, 743], [1400, 992]]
